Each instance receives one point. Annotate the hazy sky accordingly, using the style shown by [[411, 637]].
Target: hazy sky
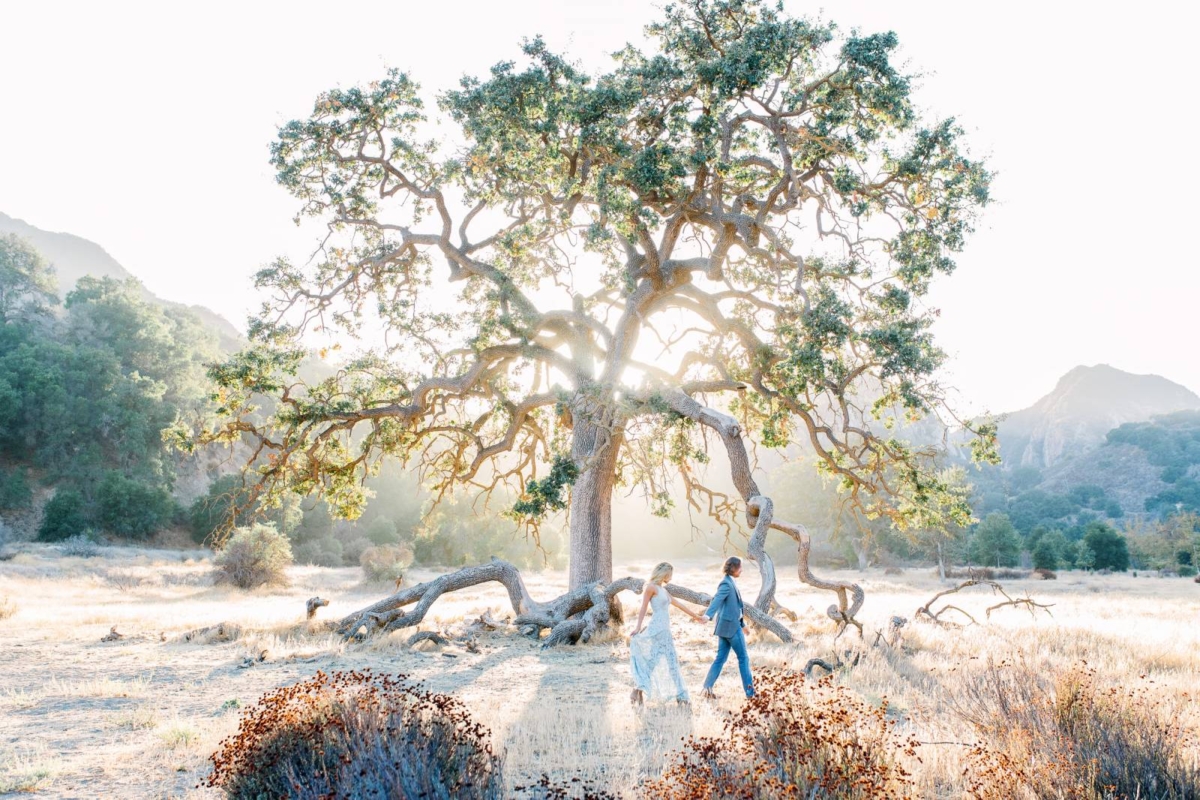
[[145, 127]]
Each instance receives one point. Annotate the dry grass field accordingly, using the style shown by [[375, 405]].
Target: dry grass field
[[138, 717]]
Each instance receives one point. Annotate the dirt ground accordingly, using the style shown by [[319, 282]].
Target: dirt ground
[[139, 716]]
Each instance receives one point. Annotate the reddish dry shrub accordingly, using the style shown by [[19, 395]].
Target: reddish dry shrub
[[360, 735], [794, 739], [1066, 736], [1045, 574]]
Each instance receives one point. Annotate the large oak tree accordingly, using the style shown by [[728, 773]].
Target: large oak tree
[[594, 277]]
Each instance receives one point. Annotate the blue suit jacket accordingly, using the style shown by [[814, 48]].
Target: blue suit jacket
[[726, 607]]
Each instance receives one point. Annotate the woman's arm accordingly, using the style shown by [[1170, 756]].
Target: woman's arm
[[678, 604], [646, 595]]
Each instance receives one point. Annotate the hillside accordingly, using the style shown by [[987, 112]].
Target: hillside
[[73, 257], [1086, 404]]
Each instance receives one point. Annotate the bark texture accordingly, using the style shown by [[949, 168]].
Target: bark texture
[[760, 516]]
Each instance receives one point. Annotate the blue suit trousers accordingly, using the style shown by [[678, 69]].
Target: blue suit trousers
[[736, 643]]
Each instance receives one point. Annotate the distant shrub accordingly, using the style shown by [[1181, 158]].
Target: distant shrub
[[1046, 574], [794, 739], [1187, 571], [382, 531], [323, 552], [357, 734], [81, 545], [1065, 735], [253, 557], [64, 516], [893, 571], [7, 608], [353, 549], [386, 563]]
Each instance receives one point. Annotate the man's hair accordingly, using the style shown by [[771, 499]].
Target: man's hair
[[732, 563]]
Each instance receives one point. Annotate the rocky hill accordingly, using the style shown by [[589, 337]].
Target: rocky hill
[[73, 257], [1086, 404]]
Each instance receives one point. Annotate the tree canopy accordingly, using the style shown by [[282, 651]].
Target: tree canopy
[[27, 285], [751, 213]]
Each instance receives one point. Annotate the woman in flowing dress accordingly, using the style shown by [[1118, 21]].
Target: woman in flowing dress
[[652, 655]]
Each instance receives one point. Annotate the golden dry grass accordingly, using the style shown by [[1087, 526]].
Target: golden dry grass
[[138, 717]]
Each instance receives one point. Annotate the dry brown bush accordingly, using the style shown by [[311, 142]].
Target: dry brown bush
[[385, 562], [794, 739], [253, 557], [1045, 574], [357, 734], [1067, 736], [7, 608]]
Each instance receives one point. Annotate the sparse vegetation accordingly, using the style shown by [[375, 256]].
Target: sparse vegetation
[[7, 608], [253, 557], [1066, 734], [357, 734], [795, 739]]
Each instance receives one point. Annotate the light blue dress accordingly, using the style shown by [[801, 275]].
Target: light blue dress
[[652, 655]]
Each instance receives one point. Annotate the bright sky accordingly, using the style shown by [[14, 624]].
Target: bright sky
[[145, 127]]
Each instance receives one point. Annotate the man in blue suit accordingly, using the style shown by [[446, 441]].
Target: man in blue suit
[[726, 608]]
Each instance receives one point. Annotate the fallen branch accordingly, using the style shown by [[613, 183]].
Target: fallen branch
[[926, 611]]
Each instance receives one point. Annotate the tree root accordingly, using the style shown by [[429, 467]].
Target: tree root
[[313, 604], [575, 617], [926, 611]]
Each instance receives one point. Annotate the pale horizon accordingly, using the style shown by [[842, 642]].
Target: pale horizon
[[146, 131]]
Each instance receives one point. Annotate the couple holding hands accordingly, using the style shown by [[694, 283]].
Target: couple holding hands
[[652, 655]]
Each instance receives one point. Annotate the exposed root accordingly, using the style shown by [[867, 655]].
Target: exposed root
[[427, 636]]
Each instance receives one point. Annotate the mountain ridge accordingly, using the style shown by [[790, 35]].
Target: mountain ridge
[[73, 257], [1085, 404]]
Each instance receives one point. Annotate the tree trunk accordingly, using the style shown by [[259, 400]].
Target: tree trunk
[[594, 447], [941, 563], [862, 553]]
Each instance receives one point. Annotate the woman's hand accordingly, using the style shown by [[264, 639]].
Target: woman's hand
[[635, 633]]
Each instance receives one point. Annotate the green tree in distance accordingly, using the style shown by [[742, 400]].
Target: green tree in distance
[[28, 288], [1109, 547], [744, 218], [995, 542]]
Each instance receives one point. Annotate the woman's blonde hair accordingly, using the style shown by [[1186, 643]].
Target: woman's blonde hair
[[661, 573]]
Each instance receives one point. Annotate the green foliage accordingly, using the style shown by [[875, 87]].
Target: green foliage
[[457, 532], [27, 285], [995, 542], [705, 154], [1046, 555], [382, 531], [128, 508], [86, 398], [547, 494], [1109, 547], [253, 557], [65, 515], [15, 491], [1172, 442], [324, 551]]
